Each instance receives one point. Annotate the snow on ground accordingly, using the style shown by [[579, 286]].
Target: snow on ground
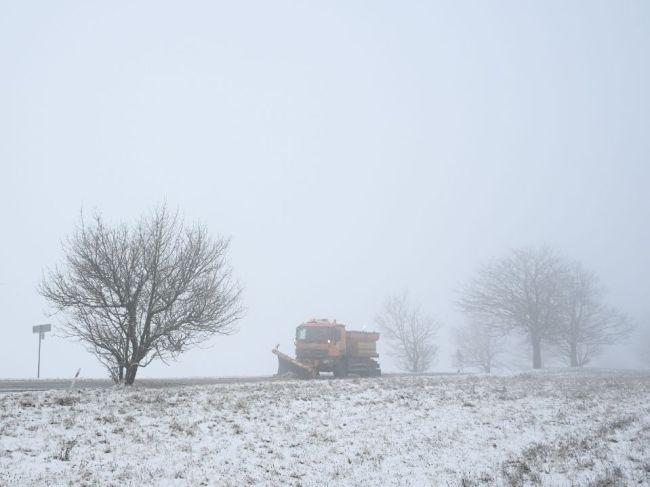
[[558, 428]]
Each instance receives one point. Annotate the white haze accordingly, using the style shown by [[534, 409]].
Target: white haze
[[351, 149]]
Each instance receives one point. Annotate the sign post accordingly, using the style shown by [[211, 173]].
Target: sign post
[[41, 330]]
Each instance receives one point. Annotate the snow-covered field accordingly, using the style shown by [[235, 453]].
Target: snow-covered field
[[549, 428]]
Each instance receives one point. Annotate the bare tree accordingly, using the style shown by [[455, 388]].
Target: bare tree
[[588, 325], [409, 333], [459, 361], [480, 344], [642, 337], [520, 292], [132, 295]]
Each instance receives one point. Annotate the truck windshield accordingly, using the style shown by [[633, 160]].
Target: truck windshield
[[313, 334]]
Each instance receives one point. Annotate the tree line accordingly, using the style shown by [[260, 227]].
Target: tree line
[[552, 302]]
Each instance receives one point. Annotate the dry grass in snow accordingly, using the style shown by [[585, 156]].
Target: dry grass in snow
[[568, 428]]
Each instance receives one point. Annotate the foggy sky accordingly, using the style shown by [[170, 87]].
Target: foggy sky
[[352, 150]]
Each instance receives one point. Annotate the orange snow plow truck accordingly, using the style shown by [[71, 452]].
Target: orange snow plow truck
[[326, 346]]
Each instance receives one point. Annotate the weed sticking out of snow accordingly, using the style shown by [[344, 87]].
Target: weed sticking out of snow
[[586, 428]]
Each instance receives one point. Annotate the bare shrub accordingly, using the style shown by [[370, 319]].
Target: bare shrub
[[65, 449]]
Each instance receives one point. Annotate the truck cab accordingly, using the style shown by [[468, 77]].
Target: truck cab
[[321, 344], [326, 346]]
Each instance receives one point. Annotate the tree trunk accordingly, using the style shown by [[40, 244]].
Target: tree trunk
[[574, 355], [537, 353], [131, 372]]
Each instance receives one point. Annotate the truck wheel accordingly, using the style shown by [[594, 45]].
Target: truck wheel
[[340, 371]]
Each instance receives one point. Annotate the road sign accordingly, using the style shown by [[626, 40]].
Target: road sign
[[41, 328]]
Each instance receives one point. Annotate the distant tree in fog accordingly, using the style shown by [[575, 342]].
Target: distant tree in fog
[[459, 361], [480, 344], [643, 345], [409, 333], [587, 324], [134, 294], [521, 292]]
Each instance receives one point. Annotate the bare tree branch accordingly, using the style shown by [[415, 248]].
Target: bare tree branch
[[588, 325], [409, 333], [137, 294], [521, 292], [480, 345]]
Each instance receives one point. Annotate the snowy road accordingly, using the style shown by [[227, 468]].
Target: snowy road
[[47, 384], [19, 385], [27, 385]]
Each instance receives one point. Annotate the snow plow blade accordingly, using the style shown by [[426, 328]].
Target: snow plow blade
[[288, 365]]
